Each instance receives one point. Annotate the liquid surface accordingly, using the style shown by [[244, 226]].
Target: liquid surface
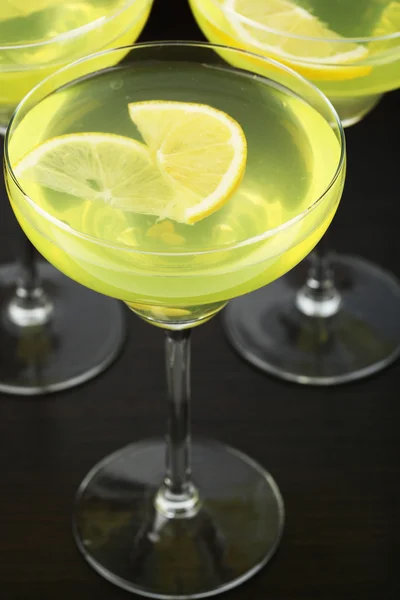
[[39, 36], [354, 85], [292, 157]]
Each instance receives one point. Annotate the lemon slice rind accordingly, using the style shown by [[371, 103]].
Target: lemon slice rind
[[335, 65]]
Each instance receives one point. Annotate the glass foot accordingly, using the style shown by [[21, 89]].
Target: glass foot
[[234, 533], [363, 337], [84, 334]]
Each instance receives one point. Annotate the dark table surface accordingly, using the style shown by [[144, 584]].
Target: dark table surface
[[334, 452]]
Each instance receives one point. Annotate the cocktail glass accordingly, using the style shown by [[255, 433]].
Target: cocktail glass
[[181, 519], [339, 319], [54, 334]]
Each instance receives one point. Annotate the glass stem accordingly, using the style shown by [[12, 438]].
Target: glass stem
[[29, 277], [30, 306], [178, 497], [319, 296]]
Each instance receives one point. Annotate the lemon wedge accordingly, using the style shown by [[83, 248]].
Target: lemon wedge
[[310, 46], [201, 150]]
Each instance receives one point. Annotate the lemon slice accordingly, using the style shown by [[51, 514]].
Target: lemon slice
[[99, 167], [389, 23], [193, 159], [262, 24], [200, 150]]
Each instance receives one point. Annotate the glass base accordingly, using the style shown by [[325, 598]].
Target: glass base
[[235, 532], [84, 335], [363, 337]]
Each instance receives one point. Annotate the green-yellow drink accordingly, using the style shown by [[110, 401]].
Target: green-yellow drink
[[72, 155], [166, 270], [39, 36], [355, 61]]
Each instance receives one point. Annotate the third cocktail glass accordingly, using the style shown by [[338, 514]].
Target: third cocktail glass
[[342, 321]]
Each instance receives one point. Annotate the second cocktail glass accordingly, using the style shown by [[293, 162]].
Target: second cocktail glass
[[92, 191], [53, 333], [339, 320]]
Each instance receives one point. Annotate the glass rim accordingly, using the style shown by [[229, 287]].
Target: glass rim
[[73, 33], [228, 247], [342, 40]]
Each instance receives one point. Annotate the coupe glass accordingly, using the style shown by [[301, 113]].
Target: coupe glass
[[337, 319], [176, 519], [54, 334]]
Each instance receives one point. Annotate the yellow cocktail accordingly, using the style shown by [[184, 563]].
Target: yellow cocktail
[[175, 182]]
